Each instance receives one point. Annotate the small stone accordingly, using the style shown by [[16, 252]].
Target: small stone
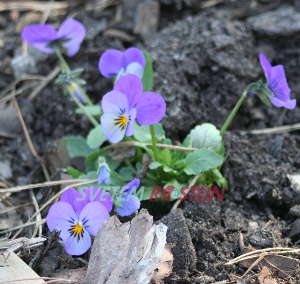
[[260, 239], [147, 18], [294, 233], [284, 21], [23, 65], [5, 169], [295, 211], [295, 182]]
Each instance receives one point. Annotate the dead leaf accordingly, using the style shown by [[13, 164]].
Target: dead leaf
[[265, 276], [285, 265], [164, 269]]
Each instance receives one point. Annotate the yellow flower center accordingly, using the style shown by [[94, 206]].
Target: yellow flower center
[[122, 121], [72, 87], [77, 230]]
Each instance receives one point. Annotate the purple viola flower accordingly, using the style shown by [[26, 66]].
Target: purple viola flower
[[74, 89], [104, 175], [130, 203], [117, 63], [277, 84], [79, 199], [76, 229], [127, 103], [43, 37]]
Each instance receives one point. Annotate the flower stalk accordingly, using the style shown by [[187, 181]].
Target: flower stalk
[[153, 137], [233, 112], [65, 67], [81, 106]]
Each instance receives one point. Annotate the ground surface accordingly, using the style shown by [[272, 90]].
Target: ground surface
[[203, 58]]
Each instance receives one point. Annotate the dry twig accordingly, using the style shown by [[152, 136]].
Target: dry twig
[[28, 139], [187, 191], [58, 8], [274, 130]]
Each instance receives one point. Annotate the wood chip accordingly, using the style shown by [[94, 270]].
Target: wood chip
[[126, 253], [17, 270]]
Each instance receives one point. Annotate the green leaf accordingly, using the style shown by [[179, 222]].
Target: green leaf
[[127, 173], [91, 160], [143, 134], [92, 110], [201, 161], [264, 94], [175, 194], [206, 136], [148, 74], [76, 72], [89, 176], [77, 146], [165, 157], [115, 179], [169, 170], [154, 165], [96, 137], [188, 141], [74, 172], [144, 193], [167, 141]]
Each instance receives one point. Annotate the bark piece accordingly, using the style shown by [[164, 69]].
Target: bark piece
[[126, 253], [18, 269]]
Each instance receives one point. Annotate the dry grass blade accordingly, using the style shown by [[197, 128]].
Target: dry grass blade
[[5, 183], [29, 142], [8, 245], [274, 130], [210, 3], [51, 200], [52, 280], [100, 5], [58, 7], [71, 182], [18, 91], [14, 208], [265, 252], [41, 222], [38, 216], [187, 191], [45, 82], [139, 144]]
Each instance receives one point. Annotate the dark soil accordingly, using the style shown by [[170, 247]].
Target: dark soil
[[203, 59]]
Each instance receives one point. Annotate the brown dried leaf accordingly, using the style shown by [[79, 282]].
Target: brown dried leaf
[[265, 276], [165, 266]]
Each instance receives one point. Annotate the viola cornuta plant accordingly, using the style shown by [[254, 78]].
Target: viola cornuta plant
[[129, 116]]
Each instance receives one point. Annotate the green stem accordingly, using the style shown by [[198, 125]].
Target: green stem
[[63, 63], [87, 99], [220, 177], [153, 137], [81, 106], [233, 112], [64, 66]]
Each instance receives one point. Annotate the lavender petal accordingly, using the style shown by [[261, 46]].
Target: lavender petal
[[151, 108]]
